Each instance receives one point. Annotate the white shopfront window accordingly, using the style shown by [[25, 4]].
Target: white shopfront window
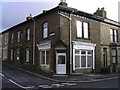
[[83, 55], [44, 48], [83, 58]]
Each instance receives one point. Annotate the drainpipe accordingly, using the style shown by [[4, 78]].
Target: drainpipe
[[33, 43], [70, 41]]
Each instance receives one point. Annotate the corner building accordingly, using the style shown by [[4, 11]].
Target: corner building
[[65, 40]]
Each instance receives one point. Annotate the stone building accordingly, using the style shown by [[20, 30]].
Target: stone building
[[0, 46], [5, 37], [65, 40]]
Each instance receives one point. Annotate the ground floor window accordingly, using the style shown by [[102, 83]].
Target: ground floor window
[[11, 54], [118, 56], [4, 53], [27, 55], [44, 58], [0, 53], [114, 56], [18, 53], [83, 59]]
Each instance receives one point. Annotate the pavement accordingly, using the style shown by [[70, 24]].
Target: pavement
[[70, 78]]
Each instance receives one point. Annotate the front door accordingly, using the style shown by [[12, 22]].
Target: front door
[[105, 57], [61, 63]]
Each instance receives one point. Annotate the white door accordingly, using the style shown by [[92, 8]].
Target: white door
[[61, 63]]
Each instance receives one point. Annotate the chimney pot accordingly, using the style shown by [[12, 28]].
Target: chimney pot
[[63, 3], [29, 17], [100, 12]]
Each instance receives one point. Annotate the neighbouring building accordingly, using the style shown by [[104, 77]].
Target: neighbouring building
[[65, 40], [0, 46], [5, 37]]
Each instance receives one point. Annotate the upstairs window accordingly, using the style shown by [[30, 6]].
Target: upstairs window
[[82, 29], [114, 35], [45, 30], [6, 38], [28, 34], [12, 38], [18, 36]]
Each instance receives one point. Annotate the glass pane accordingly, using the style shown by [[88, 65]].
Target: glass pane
[[111, 32], [115, 38], [45, 33], [83, 61], [113, 52], [85, 30], [77, 51], [83, 52], [18, 51], [115, 32], [79, 29], [90, 52], [111, 38], [89, 61], [12, 54], [119, 52], [28, 34], [77, 61], [114, 59], [43, 57], [119, 59], [61, 59], [47, 57], [45, 25], [27, 55]]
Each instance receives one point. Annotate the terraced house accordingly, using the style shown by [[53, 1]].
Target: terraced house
[[0, 46], [65, 40], [4, 44]]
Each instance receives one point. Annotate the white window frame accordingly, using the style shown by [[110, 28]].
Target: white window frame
[[27, 55], [28, 34], [45, 30], [82, 29], [44, 58], [79, 29], [113, 35], [86, 55], [86, 31], [84, 46]]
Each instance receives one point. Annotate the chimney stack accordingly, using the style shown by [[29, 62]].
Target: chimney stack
[[101, 12], [29, 17], [63, 3]]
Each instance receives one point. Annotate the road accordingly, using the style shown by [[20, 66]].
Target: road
[[15, 78]]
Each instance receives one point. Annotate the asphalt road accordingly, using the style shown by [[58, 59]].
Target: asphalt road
[[14, 78]]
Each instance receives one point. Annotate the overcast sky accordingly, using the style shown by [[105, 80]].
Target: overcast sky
[[16, 11]]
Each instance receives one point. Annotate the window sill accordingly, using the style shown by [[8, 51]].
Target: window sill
[[28, 40], [45, 65], [83, 68], [82, 38]]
